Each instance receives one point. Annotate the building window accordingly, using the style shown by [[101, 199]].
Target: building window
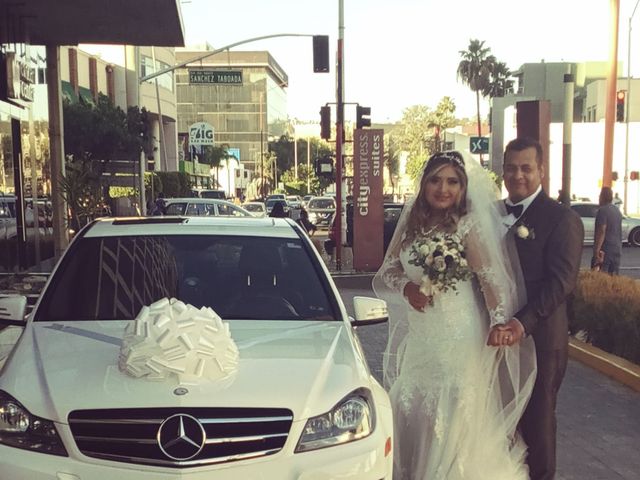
[[41, 76], [147, 68]]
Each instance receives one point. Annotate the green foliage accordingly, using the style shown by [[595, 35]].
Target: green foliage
[[415, 165], [82, 191], [607, 308], [118, 192], [174, 184]]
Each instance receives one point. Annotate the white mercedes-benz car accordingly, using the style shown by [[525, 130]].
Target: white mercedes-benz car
[[288, 396]]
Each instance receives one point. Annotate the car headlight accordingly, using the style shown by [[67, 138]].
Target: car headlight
[[351, 419], [21, 429]]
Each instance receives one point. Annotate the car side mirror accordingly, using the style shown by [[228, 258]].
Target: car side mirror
[[369, 311], [13, 310]]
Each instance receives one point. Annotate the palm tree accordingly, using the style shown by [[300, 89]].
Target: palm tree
[[475, 71], [440, 119], [500, 83]]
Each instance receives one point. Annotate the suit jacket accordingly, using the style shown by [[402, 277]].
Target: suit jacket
[[550, 260]]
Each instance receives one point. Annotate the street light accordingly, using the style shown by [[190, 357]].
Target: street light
[[628, 107]]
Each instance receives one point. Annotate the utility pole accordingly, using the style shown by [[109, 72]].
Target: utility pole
[[627, 109], [612, 78], [566, 137], [339, 132]]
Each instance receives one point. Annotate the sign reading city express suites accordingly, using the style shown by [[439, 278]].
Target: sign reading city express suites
[[215, 77], [368, 214]]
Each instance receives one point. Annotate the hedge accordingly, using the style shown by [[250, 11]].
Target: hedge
[[607, 309]]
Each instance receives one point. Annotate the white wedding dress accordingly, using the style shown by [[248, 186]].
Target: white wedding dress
[[449, 423]]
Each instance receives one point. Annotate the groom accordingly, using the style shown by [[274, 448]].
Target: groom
[[549, 240]]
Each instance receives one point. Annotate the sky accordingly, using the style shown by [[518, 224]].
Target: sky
[[400, 53]]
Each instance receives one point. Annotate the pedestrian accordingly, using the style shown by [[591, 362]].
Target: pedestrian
[[549, 239], [278, 211], [617, 201], [304, 221], [607, 242], [159, 206]]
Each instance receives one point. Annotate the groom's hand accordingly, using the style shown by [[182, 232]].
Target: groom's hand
[[507, 334]]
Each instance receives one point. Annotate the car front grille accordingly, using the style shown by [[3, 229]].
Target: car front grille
[[133, 435]]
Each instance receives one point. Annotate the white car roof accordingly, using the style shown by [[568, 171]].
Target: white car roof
[[168, 225]]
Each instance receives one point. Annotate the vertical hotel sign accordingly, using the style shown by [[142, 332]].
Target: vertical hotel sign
[[367, 200]]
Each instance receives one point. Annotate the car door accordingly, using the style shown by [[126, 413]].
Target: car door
[[587, 212]]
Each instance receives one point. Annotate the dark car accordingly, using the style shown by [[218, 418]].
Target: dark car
[[391, 213]]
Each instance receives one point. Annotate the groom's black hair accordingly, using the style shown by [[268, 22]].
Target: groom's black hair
[[522, 143]]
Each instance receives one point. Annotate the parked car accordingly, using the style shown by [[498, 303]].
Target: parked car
[[257, 209], [305, 200], [321, 210], [191, 207], [276, 196], [391, 212], [588, 211], [294, 201], [300, 401], [206, 193], [270, 203]]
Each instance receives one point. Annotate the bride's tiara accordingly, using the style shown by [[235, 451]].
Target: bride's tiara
[[448, 156]]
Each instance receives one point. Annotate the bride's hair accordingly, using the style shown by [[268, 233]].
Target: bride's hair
[[421, 210]]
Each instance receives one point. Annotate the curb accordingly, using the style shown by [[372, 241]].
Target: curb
[[611, 365]]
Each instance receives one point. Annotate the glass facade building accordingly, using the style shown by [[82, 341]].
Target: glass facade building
[[244, 114]]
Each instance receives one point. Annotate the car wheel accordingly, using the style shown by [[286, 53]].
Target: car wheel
[[634, 237]]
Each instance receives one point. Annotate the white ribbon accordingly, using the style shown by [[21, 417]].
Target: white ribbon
[[171, 337]]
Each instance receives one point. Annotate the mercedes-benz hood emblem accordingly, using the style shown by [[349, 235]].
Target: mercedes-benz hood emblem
[[181, 437]]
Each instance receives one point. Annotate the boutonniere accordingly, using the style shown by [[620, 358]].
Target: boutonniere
[[525, 232]]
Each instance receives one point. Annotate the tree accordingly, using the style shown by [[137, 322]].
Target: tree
[[439, 120], [475, 71], [500, 83]]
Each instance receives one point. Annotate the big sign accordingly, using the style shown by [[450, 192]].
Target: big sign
[[368, 165], [200, 133]]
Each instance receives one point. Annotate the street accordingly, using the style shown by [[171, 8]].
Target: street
[[598, 418]]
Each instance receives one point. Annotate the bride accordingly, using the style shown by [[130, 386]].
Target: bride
[[449, 276]]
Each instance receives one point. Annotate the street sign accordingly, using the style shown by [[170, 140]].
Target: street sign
[[218, 77], [200, 133], [479, 144]]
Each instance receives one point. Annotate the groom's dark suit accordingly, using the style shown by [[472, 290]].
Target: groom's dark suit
[[550, 260]]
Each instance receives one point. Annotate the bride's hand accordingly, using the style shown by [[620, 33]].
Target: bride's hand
[[416, 298]]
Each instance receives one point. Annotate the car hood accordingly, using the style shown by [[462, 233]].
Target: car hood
[[304, 366]]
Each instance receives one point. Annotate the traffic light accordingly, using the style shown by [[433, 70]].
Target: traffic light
[[325, 122], [321, 53], [324, 166], [363, 116], [634, 175], [620, 98]]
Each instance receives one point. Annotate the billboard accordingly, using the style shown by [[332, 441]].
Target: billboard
[[368, 214]]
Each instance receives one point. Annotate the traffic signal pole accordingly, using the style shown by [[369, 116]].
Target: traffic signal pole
[[339, 132], [612, 77]]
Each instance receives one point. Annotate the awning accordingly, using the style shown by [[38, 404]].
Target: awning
[[130, 22], [86, 96], [68, 93]]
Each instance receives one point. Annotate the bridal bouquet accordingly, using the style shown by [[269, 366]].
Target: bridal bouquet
[[443, 261]]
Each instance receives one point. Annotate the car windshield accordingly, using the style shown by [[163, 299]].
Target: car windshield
[[253, 207], [239, 277], [271, 203]]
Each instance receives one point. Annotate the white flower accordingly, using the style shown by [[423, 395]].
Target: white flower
[[453, 252], [522, 231], [463, 262], [429, 259], [440, 264], [425, 250]]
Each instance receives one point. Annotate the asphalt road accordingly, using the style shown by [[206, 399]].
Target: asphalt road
[[598, 419]]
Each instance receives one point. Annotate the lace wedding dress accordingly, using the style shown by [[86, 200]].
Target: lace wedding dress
[[449, 422]]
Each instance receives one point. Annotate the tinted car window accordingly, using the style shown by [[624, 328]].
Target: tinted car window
[[322, 203], [238, 277], [588, 211], [176, 208]]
